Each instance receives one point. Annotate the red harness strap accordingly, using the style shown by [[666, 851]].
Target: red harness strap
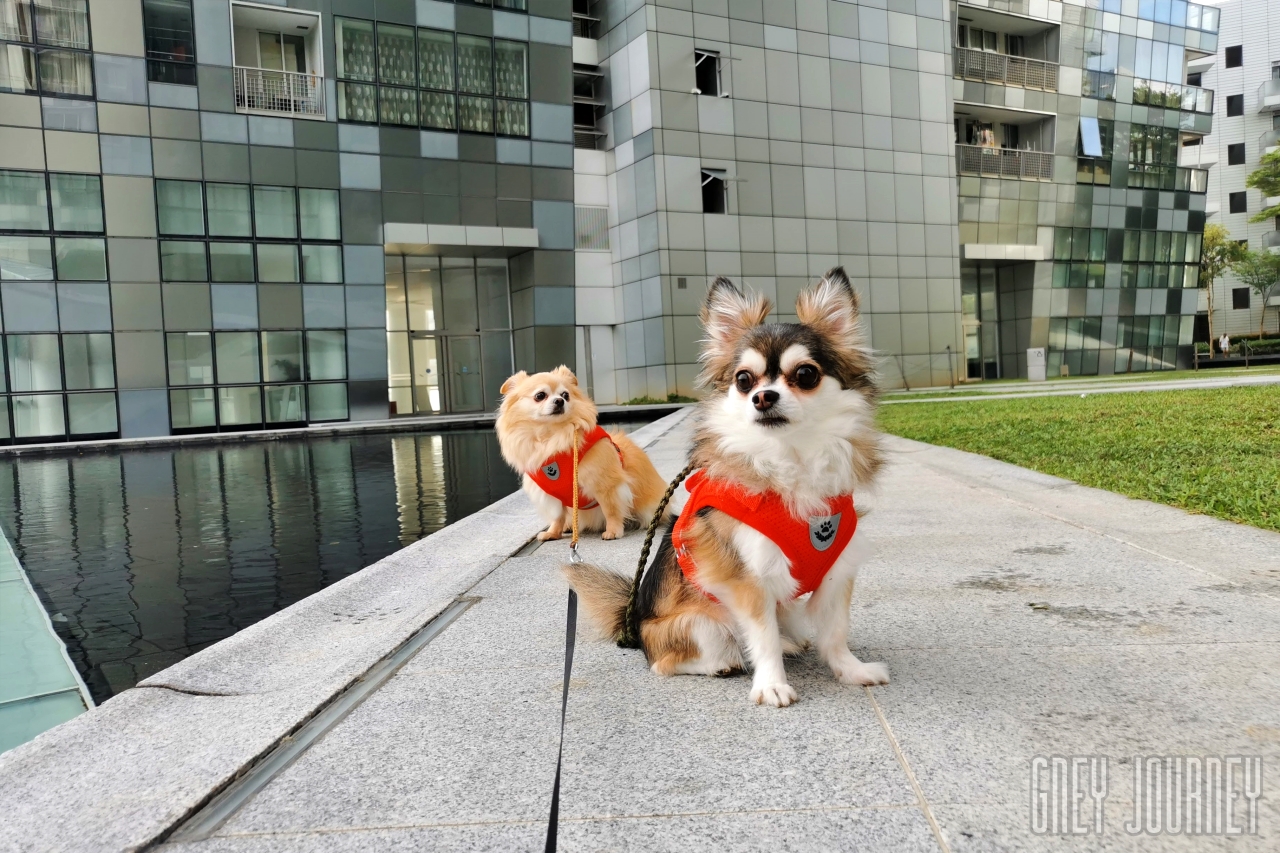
[[810, 544], [555, 476]]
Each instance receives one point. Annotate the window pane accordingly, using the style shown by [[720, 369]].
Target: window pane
[[513, 118], [240, 406], [35, 417], [511, 69], [190, 358], [88, 362], [191, 407], [277, 262], [354, 41], [357, 102], [34, 364], [321, 263], [182, 261], [167, 30], [438, 111], [66, 72], [475, 65], [282, 356], [396, 61], [23, 202], [180, 207], [491, 282], [81, 258], [398, 106], [327, 402], [275, 213], [423, 278], [15, 21], [63, 23], [25, 259], [228, 210], [231, 262], [326, 355], [17, 68], [285, 404], [77, 202], [475, 114], [435, 60], [320, 215], [459, 289], [237, 357], [92, 414]]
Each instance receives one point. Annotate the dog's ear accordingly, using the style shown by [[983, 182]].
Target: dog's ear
[[728, 313], [566, 374], [831, 308], [512, 382]]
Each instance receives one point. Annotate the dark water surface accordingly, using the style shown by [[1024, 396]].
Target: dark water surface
[[143, 557]]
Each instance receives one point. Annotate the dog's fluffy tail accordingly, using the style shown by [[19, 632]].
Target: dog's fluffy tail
[[604, 596]]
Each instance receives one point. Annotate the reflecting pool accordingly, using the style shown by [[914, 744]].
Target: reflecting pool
[[143, 557]]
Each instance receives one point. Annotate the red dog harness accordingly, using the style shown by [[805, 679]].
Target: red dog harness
[[811, 544], [555, 476]]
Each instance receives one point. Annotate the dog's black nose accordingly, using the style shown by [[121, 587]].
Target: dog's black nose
[[764, 400], [559, 404]]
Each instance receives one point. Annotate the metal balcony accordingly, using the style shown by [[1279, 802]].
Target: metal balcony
[[1197, 156], [1269, 96], [261, 90], [1004, 163], [1271, 242], [990, 67]]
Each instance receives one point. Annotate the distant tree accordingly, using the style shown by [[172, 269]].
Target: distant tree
[[1217, 253], [1266, 178], [1261, 272]]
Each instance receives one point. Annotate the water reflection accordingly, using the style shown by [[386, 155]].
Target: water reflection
[[143, 557]]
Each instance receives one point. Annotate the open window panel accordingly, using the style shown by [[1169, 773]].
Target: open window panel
[[715, 195], [707, 73]]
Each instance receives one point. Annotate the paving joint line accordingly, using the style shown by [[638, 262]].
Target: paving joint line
[[921, 801]]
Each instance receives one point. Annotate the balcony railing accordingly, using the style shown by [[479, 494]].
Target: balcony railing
[[260, 90], [1269, 95], [1270, 139], [1172, 96], [1271, 241], [1004, 163], [990, 67]]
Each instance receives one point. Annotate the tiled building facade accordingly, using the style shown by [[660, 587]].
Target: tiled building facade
[[204, 208], [1079, 225], [766, 140], [1246, 125]]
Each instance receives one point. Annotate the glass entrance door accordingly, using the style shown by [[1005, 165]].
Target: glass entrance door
[[465, 389], [426, 376]]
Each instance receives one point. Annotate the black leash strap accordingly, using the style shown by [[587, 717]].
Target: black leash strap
[[570, 637]]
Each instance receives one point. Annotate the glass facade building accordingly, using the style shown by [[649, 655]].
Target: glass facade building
[[1080, 224]]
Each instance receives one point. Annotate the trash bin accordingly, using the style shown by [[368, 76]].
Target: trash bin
[[1036, 364]]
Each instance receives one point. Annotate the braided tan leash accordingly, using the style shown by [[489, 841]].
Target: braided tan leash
[[629, 636], [574, 556]]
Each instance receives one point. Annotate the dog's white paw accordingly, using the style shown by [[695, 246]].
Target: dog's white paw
[[777, 695], [547, 535], [864, 674]]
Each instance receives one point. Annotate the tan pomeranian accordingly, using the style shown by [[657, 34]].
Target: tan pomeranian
[[540, 419], [762, 559]]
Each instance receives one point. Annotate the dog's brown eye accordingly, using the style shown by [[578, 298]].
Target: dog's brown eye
[[540, 396], [744, 380], [564, 395], [807, 376]]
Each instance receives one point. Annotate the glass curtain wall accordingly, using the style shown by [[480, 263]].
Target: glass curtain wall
[[448, 333]]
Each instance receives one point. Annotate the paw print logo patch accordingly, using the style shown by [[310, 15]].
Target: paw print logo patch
[[552, 471], [822, 530]]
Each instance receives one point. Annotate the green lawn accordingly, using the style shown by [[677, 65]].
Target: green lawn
[[1213, 451]]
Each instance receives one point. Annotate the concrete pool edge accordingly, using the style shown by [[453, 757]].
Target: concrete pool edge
[[434, 423], [123, 775]]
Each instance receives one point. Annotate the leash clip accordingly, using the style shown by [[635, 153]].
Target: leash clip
[[574, 556]]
